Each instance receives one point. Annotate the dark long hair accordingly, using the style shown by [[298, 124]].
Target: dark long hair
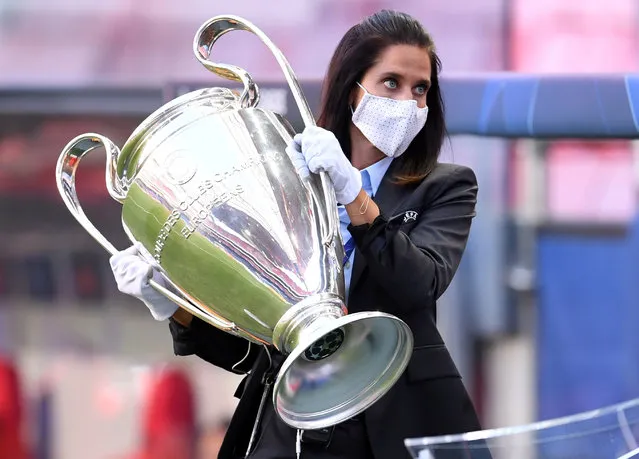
[[355, 54]]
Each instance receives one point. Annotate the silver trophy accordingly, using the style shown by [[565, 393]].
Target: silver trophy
[[244, 242]]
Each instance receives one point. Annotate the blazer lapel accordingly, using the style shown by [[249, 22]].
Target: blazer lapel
[[387, 199]]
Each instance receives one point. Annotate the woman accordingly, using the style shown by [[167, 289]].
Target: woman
[[405, 222]]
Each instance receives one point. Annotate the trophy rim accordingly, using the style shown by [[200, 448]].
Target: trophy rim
[[130, 159]]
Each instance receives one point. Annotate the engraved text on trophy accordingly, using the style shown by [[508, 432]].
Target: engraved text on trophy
[[210, 194]]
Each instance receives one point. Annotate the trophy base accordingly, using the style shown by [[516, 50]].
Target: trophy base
[[339, 367]]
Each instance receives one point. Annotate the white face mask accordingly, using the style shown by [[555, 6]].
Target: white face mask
[[389, 124]]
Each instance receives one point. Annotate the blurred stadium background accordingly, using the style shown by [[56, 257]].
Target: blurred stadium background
[[541, 317]]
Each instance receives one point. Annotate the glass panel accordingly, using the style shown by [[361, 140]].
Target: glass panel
[[606, 433]]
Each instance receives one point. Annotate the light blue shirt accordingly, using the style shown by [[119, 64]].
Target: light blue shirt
[[371, 178]]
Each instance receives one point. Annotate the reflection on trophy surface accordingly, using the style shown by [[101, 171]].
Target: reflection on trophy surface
[[208, 190]]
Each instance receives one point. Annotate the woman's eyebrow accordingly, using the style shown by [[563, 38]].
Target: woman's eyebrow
[[397, 76]]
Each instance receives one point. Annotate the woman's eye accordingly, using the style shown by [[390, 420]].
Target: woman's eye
[[421, 90], [390, 83]]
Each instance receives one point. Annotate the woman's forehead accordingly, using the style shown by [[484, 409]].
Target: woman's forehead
[[408, 61]]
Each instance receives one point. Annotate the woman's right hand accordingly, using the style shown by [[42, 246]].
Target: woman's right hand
[[132, 274]]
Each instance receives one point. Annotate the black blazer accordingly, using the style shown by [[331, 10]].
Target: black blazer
[[404, 261]]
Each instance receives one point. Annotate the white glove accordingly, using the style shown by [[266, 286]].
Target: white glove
[[293, 151], [322, 152], [132, 274]]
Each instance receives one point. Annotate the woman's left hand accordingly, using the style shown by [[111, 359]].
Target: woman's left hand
[[322, 152]]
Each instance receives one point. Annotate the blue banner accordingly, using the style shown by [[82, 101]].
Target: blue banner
[[504, 104]]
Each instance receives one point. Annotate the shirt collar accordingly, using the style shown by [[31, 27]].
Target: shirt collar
[[376, 172]]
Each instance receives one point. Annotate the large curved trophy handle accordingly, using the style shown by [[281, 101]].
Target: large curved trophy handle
[[205, 38], [66, 168], [65, 177]]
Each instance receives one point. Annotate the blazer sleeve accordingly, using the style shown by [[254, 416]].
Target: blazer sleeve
[[416, 268], [213, 345]]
